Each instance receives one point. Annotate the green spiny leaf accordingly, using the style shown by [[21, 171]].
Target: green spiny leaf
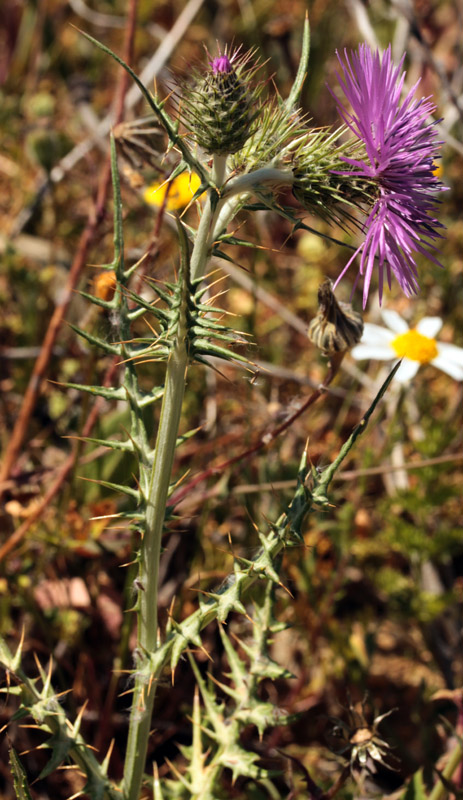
[[214, 713], [145, 399], [239, 669], [163, 117], [127, 446], [230, 599], [322, 483], [118, 487], [160, 313], [184, 635], [108, 305], [21, 786], [94, 788], [243, 762], [204, 347], [109, 393], [60, 744], [108, 348], [22, 711]]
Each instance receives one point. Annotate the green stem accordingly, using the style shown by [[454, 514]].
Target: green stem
[[145, 686], [144, 693], [456, 758], [207, 225], [250, 180]]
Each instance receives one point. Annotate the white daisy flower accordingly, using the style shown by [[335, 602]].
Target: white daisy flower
[[415, 346]]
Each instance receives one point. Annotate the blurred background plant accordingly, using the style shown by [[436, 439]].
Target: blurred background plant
[[375, 592]]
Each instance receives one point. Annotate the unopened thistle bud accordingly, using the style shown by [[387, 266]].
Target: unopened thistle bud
[[220, 107], [336, 328]]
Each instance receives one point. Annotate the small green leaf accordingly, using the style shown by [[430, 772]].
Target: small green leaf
[[21, 787], [60, 744], [22, 711], [230, 600], [108, 392], [110, 443], [108, 348], [117, 487], [94, 788], [416, 788], [108, 305]]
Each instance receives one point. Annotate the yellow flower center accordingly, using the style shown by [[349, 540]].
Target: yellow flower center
[[415, 346]]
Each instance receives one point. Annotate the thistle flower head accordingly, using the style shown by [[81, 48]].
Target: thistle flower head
[[400, 151], [320, 184], [221, 105]]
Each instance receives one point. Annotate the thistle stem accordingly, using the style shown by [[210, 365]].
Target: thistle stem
[[456, 759], [201, 249], [143, 698], [158, 489], [250, 180]]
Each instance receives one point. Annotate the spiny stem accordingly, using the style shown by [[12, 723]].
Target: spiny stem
[[213, 220], [144, 694]]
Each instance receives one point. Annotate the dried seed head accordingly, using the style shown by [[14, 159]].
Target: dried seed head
[[336, 328], [141, 142], [359, 742]]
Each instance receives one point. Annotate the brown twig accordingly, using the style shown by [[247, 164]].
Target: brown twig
[[63, 473], [95, 218]]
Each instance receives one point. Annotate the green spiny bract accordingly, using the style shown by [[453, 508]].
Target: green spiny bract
[[222, 104], [320, 181], [278, 128]]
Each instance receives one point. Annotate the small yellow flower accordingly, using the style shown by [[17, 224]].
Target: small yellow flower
[[180, 191], [104, 285]]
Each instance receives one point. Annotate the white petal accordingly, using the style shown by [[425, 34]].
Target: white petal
[[454, 370], [450, 352], [394, 321], [407, 370], [374, 334], [429, 326], [376, 351]]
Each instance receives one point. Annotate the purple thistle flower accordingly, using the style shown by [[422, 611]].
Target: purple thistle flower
[[221, 64], [401, 149]]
